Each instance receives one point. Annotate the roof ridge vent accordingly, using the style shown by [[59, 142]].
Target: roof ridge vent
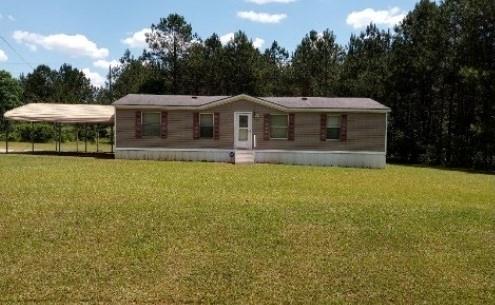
[[304, 98]]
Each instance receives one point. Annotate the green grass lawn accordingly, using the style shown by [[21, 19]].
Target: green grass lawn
[[88, 231]]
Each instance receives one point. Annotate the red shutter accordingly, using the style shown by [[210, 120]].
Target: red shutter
[[138, 127], [195, 125], [266, 127], [216, 126], [292, 123], [164, 125], [323, 127], [343, 128]]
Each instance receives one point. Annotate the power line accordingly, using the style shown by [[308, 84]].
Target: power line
[[15, 51]]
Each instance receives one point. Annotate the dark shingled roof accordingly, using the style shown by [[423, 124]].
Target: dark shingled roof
[[326, 102], [287, 102], [167, 100]]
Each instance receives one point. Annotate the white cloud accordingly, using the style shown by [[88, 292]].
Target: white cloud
[[96, 79], [261, 2], [104, 64], [137, 39], [261, 17], [225, 39], [3, 56], [258, 43], [75, 45], [10, 17], [390, 17]]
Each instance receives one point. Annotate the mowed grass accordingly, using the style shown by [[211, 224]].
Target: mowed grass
[[87, 231]]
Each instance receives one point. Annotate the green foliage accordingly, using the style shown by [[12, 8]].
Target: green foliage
[[366, 68], [72, 86], [241, 58], [439, 89], [214, 81], [275, 71], [39, 132], [67, 85], [10, 94], [169, 41], [45, 132], [39, 85], [316, 63], [80, 230], [195, 67], [133, 76]]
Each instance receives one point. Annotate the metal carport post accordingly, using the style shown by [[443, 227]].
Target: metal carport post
[[6, 136]]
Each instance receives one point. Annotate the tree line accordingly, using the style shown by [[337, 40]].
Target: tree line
[[435, 70]]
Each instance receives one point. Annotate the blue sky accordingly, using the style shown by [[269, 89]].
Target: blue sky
[[90, 34]]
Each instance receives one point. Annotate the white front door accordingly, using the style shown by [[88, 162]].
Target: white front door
[[243, 130]]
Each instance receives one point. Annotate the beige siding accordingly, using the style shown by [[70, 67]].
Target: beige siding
[[366, 131]]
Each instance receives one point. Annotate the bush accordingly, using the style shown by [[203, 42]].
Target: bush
[[46, 132], [40, 132]]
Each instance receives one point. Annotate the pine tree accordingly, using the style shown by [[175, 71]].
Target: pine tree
[[169, 41]]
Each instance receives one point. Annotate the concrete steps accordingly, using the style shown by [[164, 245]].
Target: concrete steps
[[244, 157]]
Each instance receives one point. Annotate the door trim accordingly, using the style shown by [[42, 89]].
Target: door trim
[[250, 130]]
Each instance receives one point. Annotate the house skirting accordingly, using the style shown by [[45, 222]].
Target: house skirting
[[301, 157]]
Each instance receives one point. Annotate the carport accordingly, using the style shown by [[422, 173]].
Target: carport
[[80, 115]]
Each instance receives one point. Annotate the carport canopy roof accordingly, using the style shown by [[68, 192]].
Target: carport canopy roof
[[63, 113]]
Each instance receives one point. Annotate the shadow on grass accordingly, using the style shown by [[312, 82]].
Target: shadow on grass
[[444, 168], [94, 155]]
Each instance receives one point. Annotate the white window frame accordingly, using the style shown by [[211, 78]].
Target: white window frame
[[142, 124], [339, 116], [213, 121], [271, 124]]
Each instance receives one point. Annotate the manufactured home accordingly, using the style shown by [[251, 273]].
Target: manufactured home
[[244, 129]]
